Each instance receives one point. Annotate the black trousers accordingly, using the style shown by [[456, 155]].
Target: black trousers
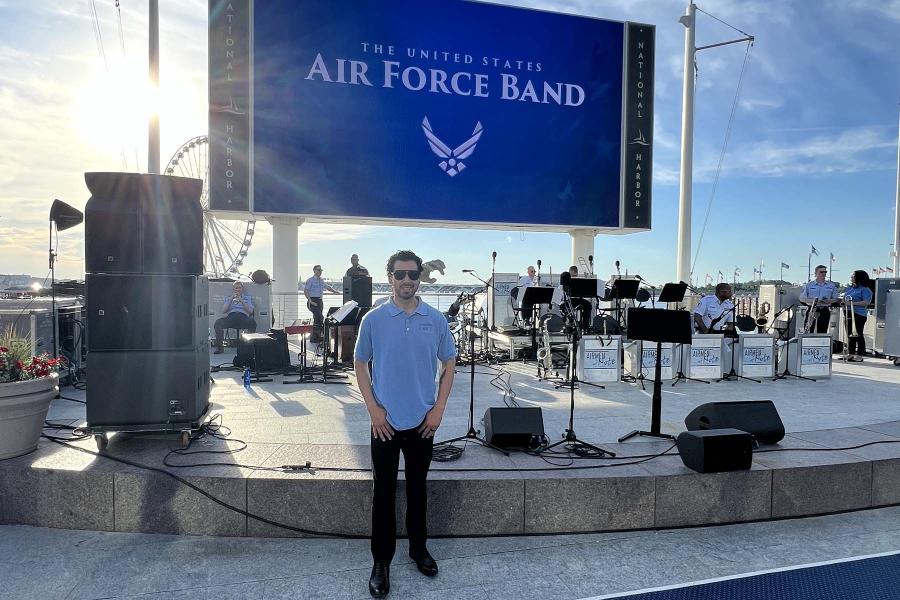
[[234, 320], [385, 463], [858, 342], [823, 318]]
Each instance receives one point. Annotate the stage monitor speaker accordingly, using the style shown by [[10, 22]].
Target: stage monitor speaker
[[508, 427], [138, 223], [148, 389], [146, 312], [759, 418], [358, 289], [263, 351], [716, 450]]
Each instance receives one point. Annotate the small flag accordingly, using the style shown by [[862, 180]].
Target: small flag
[[786, 266], [889, 270], [709, 278], [813, 250], [832, 259]]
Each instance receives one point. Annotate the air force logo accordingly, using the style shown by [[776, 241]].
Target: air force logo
[[452, 163]]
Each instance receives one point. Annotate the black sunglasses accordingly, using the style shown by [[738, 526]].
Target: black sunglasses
[[402, 274]]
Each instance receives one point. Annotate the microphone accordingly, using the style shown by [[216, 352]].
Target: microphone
[[539, 263], [468, 270], [591, 258], [494, 255], [618, 272]]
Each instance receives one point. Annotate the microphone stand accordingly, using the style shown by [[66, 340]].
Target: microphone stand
[[492, 284], [569, 436], [472, 434], [734, 336], [787, 369], [487, 287]]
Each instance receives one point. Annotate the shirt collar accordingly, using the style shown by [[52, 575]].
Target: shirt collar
[[396, 310]]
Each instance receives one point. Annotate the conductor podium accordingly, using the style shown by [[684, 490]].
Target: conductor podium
[[147, 305]]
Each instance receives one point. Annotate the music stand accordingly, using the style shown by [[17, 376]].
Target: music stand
[[657, 325], [624, 289], [673, 292], [532, 298]]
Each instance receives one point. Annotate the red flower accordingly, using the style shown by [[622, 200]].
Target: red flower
[[20, 364], [3, 349]]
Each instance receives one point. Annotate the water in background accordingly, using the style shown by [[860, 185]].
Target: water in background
[[439, 301]]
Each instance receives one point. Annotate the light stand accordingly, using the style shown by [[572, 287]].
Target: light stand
[[64, 217], [472, 434], [569, 436]]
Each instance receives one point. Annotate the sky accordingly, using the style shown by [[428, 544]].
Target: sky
[[811, 160]]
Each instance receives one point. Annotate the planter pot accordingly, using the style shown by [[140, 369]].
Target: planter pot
[[23, 409]]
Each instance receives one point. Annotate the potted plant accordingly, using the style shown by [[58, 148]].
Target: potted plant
[[27, 386]]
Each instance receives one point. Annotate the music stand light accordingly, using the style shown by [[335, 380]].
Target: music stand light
[[64, 217]]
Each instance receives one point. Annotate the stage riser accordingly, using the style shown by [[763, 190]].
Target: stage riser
[[99, 495]]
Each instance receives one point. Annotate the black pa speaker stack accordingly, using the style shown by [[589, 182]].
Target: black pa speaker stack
[[721, 435], [358, 289], [147, 303], [514, 427]]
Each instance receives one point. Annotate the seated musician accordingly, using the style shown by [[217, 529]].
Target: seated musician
[[582, 306], [525, 281], [821, 294], [238, 311], [715, 311]]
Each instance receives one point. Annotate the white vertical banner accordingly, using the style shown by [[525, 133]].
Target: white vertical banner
[[598, 359], [500, 309], [706, 356], [756, 355], [814, 352]]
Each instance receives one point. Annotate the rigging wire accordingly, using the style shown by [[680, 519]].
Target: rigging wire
[[723, 22], [728, 129]]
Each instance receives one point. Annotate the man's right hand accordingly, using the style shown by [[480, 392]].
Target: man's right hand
[[380, 426]]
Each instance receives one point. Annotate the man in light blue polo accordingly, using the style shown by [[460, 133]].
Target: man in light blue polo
[[404, 339], [821, 294]]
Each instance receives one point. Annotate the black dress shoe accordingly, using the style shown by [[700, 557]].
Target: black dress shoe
[[380, 580], [426, 564]]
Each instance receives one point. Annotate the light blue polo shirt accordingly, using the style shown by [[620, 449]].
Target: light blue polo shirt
[[404, 350], [315, 286], [857, 293], [234, 304]]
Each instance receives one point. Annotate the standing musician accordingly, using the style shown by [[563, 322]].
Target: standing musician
[[857, 296], [313, 289], [714, 313], [406, 341], [356, 269], [822, 294]]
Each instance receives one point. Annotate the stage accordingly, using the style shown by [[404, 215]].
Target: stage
[[483, 493]]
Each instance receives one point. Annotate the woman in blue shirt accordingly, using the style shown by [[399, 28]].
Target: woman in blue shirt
[[858, 296]]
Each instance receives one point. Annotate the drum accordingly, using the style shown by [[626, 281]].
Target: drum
[[552, 322]]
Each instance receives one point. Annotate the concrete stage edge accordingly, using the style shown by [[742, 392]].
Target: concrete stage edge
[[483, 493]]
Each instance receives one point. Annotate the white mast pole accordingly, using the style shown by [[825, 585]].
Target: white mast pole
[[683, 267], [153, 133], [897, 211]]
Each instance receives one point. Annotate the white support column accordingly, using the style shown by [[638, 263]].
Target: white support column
[[285, 269], [683, 266], [582, 249]]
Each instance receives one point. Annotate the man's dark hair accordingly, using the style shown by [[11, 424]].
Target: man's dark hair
[[820, 267], [722, 286], [317, 267], [403, 255], [573, 267]]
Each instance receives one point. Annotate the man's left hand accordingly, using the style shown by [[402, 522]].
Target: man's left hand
[[431, 423]]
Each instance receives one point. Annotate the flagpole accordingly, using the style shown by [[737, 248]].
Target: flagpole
[[781, 277], [809, 267]]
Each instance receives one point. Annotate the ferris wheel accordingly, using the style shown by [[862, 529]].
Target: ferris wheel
[[225, 242]]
